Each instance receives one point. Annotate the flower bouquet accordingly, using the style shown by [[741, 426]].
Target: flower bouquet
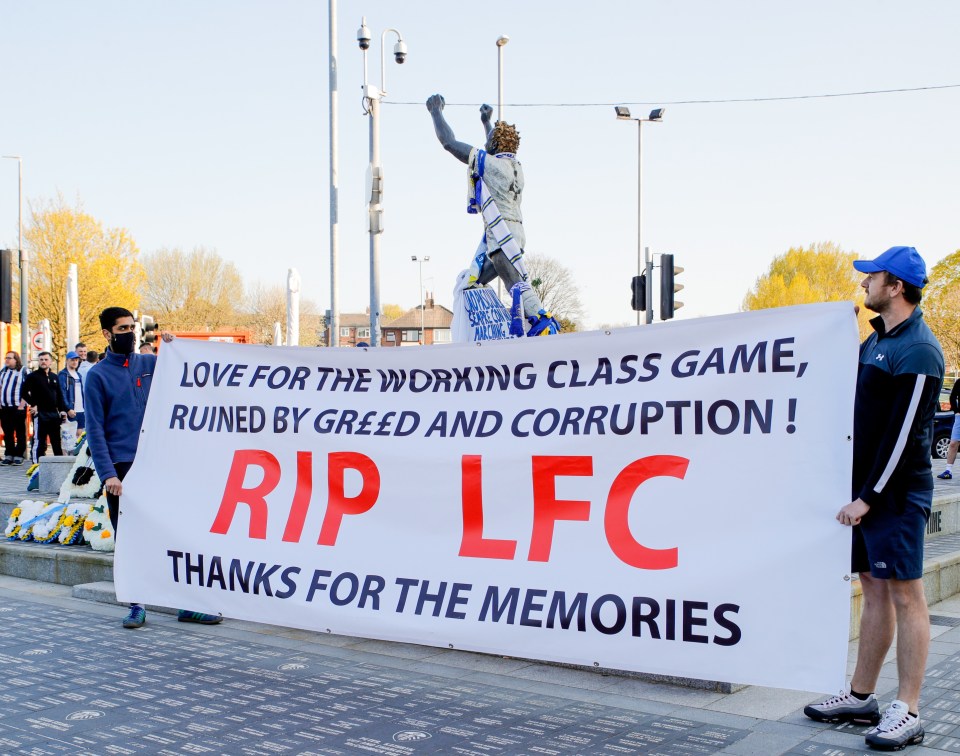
[[97, 529]]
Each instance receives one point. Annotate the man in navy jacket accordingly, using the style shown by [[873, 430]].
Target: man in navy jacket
[[115, 397], [898, 384]]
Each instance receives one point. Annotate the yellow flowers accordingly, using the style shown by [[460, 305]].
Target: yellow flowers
[[16, 512], [69, 520], [88, 525], [105, 534]]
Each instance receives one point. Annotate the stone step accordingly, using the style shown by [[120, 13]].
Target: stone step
[[53, 563], [103, 592]]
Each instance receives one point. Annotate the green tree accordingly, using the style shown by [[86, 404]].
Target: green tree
[[941, 307], [819, 273], [191, 291], [109, 271]]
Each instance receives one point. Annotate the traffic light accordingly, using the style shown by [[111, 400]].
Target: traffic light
[[639, 299], [148, 329], [6, 285], [668, 287]]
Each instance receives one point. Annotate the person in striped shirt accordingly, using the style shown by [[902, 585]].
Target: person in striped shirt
[[13, 412]]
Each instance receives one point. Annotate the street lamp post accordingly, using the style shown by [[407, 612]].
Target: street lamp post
[[334, 320], [24, 267], [656, 116], [371, 98], [501, 43], [421, 261]]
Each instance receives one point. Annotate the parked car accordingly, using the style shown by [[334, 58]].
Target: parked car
[[942, 427]]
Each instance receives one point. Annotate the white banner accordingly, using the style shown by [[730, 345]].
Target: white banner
[[658, 499]]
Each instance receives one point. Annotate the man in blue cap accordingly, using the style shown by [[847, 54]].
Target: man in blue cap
[[898, 385]]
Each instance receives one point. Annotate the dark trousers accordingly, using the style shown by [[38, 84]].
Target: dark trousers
[[14, 424], [113, 502], [42, 429]]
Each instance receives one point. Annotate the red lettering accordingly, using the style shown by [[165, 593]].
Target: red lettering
[[301, 498], [339, 505], [473, 544], [616, 518], [547, 509], [234, 493]]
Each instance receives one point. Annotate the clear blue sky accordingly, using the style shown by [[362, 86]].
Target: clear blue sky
[[205, 123]]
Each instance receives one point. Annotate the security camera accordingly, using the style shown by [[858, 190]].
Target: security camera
[[400, 51], [363, 35]]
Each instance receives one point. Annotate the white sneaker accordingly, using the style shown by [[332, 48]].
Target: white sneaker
[[845, 708], [898, 729]]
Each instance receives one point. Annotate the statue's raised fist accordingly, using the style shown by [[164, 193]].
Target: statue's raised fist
[[486, 112], [435, 103]]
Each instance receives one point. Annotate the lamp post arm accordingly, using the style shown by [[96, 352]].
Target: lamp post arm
[[383, 67]]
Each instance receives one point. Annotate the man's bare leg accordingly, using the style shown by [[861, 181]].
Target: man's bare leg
[[877, 625], [913, 638]]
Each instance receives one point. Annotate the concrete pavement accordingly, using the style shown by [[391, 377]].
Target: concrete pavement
[[75, 682]]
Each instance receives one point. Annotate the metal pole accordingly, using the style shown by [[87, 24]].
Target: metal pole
[[639, 272], [375, 227], [422, 336], [24, 267], [640, 214], [499, 81], [334, 187], [649, 259]]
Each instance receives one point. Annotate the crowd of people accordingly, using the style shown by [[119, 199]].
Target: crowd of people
[[52, 398]]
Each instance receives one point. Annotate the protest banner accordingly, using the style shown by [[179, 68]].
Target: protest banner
[[658, 499]]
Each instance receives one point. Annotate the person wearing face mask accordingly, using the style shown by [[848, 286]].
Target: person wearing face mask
[[114, 399], [41, 390]]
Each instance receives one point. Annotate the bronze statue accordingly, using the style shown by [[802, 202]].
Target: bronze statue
[[496, 188]]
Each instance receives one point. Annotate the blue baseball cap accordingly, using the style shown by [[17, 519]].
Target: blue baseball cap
[[904, 262], [73, 356]]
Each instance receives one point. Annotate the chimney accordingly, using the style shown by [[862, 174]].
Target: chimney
[[429, 300]]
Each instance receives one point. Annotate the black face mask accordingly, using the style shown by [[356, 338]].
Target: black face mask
[[122, 343]]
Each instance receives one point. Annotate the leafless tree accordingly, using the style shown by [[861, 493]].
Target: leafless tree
[[191, 291], [556, 287], [266, 305]]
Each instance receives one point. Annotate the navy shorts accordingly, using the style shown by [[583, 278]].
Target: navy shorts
[[889, 544]]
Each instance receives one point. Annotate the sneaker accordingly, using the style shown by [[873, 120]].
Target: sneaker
[[845, 708], [204, 619], [898, 729], [136, 618], [945, 475], [17, 461], [6, 461]]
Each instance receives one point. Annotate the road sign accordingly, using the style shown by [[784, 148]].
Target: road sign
[[38, 340]]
